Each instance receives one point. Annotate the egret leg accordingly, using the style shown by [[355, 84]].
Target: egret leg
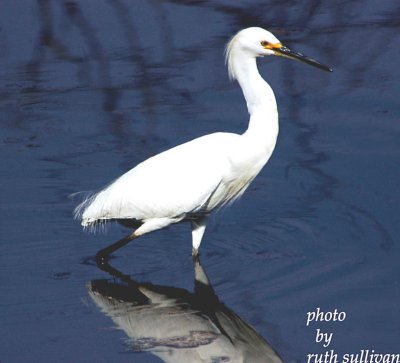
[[198, 228], [102, 255], [146, 227]]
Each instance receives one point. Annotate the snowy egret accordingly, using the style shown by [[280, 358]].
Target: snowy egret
[[189, 181]]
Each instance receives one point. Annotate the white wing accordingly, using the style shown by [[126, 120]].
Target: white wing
[[178, 181]]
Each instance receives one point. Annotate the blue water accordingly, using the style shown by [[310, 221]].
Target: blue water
[[90, 89]]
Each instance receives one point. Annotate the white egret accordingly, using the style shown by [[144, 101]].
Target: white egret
[[189, 181]]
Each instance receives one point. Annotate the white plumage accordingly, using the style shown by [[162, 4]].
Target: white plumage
[[189, 181]]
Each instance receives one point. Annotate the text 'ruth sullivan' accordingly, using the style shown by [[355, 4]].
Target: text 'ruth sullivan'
[[364, 356]]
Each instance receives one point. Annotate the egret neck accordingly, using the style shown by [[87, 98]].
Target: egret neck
[[263, 126]]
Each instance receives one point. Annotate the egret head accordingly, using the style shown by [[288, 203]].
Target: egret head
[[257, 42]]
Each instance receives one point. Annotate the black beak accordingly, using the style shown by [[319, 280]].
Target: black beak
[[287, 53]]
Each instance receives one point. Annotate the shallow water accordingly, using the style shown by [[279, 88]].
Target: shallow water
[[90, 89]]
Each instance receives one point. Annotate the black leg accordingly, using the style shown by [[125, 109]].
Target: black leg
[[102, 255]]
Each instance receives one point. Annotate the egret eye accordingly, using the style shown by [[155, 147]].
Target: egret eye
[[264, 43]]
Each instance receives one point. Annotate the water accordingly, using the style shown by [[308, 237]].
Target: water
[[89, 89]]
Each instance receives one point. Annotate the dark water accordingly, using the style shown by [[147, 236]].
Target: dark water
[[89, 89]]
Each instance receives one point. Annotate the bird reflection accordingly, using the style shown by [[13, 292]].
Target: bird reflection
[[177, 325]]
